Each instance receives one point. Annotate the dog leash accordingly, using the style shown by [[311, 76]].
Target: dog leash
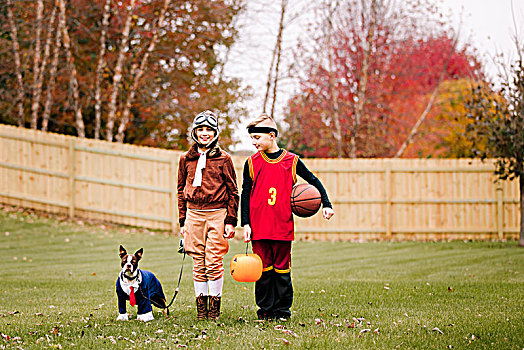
[[181, 249]]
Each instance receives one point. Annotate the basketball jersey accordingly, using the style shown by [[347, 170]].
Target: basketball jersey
[[270, 200]]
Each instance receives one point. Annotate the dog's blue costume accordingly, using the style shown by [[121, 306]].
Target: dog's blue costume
[[150, 287]]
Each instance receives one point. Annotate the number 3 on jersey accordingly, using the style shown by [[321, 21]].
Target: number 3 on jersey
[[272, 196]]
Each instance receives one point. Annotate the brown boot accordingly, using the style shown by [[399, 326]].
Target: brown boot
[[214, 307], [201, 304]]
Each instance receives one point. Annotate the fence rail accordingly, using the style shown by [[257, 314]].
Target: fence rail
[[372, 198]]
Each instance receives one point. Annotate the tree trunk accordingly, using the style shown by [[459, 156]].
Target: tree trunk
[[140, 72], [424, 114], [52, 75], [36, 63], [40, 80], [521, 188], [333, 84], [79, 120], [18, 67], [100, 69], [414, 130], [117, 77], [362, 86], [276, 53]]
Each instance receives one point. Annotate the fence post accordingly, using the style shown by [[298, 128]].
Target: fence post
[[387, 194], [173, 192], [500, 211], [72, 189]]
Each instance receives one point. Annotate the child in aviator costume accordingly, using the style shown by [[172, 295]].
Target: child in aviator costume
[[207, 206], [268, 179]]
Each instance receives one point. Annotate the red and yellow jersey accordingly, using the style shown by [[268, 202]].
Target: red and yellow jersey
[[270, 204]]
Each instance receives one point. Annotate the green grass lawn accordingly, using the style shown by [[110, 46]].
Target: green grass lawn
[[57, 290]]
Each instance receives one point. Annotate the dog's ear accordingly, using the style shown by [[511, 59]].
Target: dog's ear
[[138, 254], [123, 252]]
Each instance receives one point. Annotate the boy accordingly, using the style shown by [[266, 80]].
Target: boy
[[207, 210], [268, 179]]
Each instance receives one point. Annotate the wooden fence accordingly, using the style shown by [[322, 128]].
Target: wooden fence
[[373, 198]]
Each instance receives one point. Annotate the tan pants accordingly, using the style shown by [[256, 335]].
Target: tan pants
[[205, 243]]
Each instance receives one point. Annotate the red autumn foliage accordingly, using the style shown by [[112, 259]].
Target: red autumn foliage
[[403, 71]]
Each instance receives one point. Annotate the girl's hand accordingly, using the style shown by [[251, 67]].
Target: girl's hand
[[327, 213], [183, 231], [247, 234], [229, 231]]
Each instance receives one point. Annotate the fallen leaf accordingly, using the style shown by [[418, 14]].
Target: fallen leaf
[[436, 329], [365, 330]]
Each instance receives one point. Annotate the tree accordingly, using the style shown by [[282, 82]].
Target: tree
[[134, 70], [445, 132], [386, 59], [500, 121]]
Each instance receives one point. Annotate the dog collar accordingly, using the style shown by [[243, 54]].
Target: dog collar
[[129, 278]]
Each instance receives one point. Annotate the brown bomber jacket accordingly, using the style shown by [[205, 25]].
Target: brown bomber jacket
[[219, 184]]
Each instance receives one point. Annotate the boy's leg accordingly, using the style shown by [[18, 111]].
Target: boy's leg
[[194, 243], [264, 290], [282, 279], [216, 247]]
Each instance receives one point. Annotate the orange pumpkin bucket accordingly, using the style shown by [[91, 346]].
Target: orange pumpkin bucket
[[246, 267]]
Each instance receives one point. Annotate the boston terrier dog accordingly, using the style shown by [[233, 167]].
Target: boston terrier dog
[[140, 287]]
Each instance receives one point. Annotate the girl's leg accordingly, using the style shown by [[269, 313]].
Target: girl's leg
[[216, 247], [194, 243]]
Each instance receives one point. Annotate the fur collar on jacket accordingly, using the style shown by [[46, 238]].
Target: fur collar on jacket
[[193, 154]]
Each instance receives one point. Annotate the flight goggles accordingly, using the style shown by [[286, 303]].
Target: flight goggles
[[206, 118]]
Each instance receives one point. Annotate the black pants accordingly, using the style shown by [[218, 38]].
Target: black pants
[[274, 294]]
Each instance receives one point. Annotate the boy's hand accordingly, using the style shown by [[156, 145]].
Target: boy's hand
[[183, 231], [247, 234], [229, 231], [327, 213]]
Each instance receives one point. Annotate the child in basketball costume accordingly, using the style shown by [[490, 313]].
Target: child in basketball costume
[[207, 210], [268, 179]]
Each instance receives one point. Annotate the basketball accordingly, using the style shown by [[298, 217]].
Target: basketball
[[305, 200]]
